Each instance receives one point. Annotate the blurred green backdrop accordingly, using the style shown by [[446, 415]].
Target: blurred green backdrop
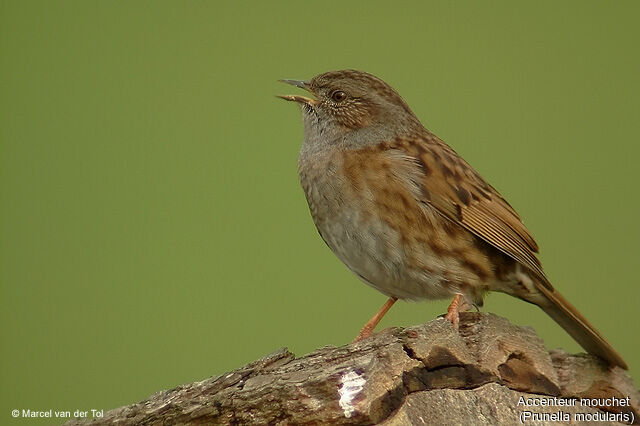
[[152, 231]]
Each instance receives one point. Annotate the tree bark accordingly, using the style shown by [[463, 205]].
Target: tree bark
[[488, 372]]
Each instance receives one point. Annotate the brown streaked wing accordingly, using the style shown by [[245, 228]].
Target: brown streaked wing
[[462, 195]]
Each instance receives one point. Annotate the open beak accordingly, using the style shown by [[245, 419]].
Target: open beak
[[297, 98]]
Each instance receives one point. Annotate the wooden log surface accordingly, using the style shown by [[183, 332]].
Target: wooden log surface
[[489, 372]]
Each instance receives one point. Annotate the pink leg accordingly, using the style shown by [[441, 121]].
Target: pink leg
[[368, 328], [459, 303]]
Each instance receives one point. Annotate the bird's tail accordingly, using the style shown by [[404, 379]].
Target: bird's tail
[[568, 317]]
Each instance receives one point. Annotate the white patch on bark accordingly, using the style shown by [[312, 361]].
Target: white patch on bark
[[352, 384]]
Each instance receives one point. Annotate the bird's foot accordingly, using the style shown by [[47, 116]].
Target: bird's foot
[[458, 304], [368, 328], [364, 333]]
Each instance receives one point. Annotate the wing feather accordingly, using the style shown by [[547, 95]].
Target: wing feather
[[459, 193]]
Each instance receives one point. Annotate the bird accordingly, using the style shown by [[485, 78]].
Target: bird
[[408, 215]]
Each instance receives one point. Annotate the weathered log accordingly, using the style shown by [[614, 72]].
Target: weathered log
[[487, 372]]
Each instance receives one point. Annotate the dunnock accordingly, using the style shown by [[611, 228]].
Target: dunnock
[[408, 215]]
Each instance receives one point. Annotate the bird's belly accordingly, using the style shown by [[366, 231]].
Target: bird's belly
[[405, 268], [376, 253]]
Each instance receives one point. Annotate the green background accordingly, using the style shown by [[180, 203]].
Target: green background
[[152, 230]]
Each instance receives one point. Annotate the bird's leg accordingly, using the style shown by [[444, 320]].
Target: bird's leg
[[368, 328], [459, 303]]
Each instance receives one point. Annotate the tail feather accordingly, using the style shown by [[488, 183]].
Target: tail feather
[[572, 321]]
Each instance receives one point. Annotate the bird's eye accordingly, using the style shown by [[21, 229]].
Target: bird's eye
[[338, 96]]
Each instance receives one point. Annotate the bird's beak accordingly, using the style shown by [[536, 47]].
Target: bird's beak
[[297, 98], [298, 83]]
